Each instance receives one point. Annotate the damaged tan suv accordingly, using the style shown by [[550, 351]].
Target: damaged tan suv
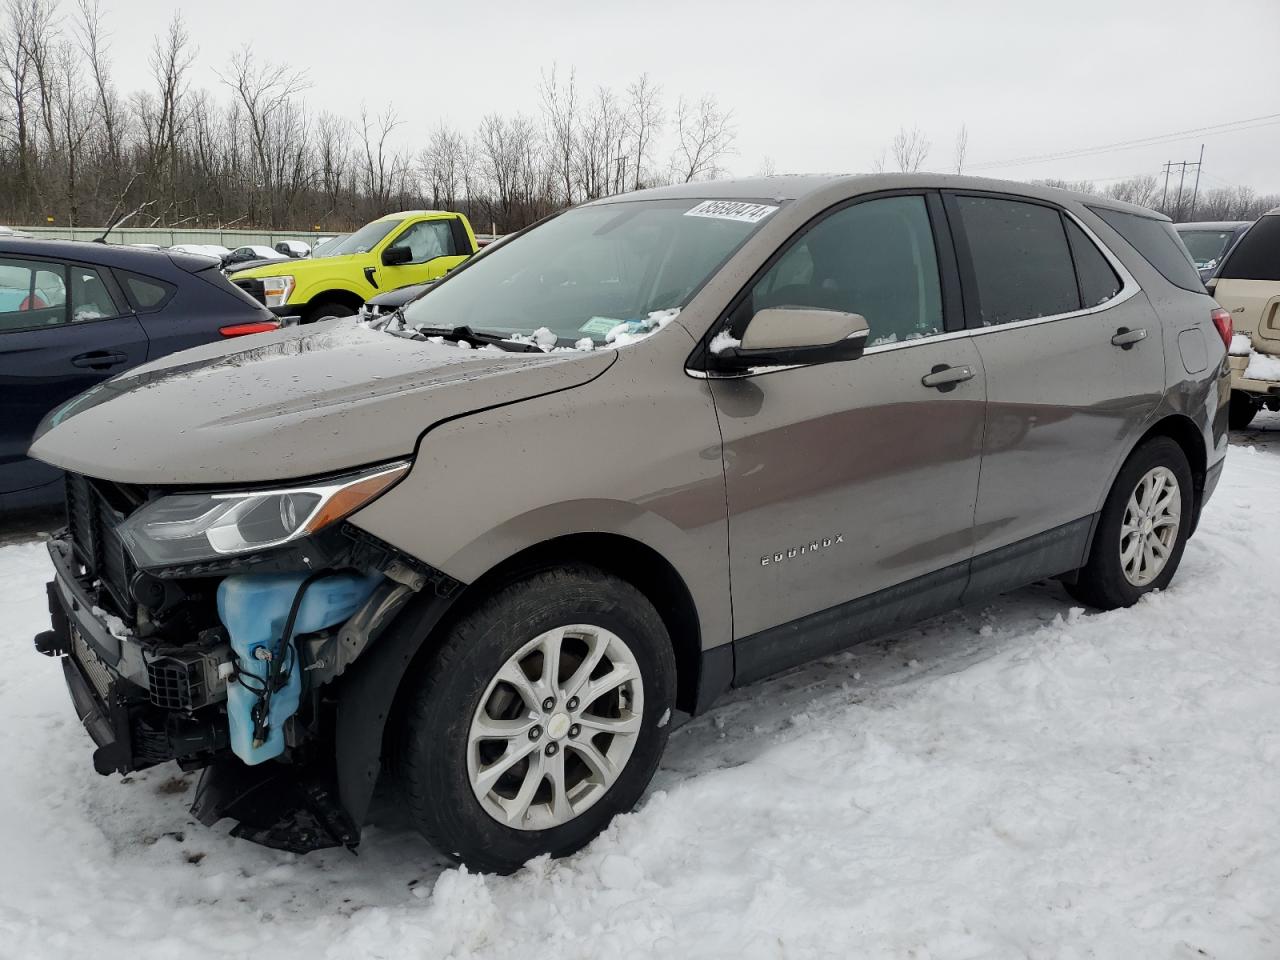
[[1247, 285], [652, 448]]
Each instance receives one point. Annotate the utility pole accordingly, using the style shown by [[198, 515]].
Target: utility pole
[[1182, 179], [1195, 192]]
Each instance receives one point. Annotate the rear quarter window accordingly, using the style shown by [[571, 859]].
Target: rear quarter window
[[1257, 254], [147, 293], [1159, 245]]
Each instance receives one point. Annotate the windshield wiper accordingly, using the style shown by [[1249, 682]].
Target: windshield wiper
[[478, 336]]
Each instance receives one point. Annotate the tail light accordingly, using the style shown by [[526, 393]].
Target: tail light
[[265, 326], [1222, 320]]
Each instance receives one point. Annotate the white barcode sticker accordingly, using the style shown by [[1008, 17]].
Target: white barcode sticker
[[731, 210]]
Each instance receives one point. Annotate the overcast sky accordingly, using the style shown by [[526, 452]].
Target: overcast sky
[[814, 85]]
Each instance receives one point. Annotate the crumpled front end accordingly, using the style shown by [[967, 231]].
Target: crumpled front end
[[234, 666]]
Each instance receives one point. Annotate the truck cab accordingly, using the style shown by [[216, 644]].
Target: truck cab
[[393, 251]]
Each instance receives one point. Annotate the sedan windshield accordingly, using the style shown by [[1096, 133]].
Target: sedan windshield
[[592, 270], [363, 240], [1206, 246]]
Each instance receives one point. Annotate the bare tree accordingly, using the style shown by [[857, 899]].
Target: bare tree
[[962, 147], [910, 148], [644, 123], [705, 137], [560, 113], [380, 165], [265, 95], [444, 163]]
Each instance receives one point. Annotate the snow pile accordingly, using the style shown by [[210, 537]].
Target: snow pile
[[1017, 780], [722, 341], [1262, 367], [1241, 345]]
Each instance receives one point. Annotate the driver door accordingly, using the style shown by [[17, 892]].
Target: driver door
[[432, 249], [852, 485]]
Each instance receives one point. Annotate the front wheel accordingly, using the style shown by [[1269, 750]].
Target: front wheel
[[1142, 530], [328, 310], [542, 715]]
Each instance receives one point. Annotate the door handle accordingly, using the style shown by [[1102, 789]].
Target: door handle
[[1126, 338], [98, 360], [945, 377]]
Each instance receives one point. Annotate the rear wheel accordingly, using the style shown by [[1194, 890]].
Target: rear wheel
[[1242, 410], [327, 311], [541, 717], [1142, 530]]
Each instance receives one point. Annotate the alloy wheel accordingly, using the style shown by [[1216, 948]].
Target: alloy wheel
[[555, 727], [1150, 528]]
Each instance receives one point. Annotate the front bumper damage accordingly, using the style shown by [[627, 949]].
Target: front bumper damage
[[146, 701]]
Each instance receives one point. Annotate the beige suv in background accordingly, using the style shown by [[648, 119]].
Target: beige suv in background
[[1248, 287]]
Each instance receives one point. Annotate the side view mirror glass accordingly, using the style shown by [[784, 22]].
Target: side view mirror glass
[[788, 336], [394, 256]]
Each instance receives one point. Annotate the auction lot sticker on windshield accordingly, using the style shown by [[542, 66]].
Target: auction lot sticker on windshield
[[731, 210]]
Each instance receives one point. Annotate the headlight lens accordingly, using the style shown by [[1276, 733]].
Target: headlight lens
[[193, 527], [277, 290]]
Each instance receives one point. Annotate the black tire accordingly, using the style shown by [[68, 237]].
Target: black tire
[[429, 751], [327, 311], [1101, 581], [1242, 410]]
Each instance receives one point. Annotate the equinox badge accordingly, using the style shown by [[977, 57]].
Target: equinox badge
[[813, 546]]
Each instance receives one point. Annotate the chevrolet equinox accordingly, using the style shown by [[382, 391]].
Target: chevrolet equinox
[[654, 447]]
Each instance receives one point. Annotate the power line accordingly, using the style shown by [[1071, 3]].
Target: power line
[[1231, 126]]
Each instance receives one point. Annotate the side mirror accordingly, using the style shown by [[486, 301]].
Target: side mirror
[[789, 336], [394, 256], [1211, 284]]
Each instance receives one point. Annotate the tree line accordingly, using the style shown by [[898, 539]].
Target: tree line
[[76, 148], [251, 153]]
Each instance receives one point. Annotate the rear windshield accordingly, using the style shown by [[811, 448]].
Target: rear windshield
[[1158, 243], [1257, 255], [1205, 246]]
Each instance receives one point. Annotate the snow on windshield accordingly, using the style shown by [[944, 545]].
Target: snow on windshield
[[619, 333]]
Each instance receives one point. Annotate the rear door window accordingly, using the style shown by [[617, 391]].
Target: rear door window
[[1257, 255], [1159, 245], [32, 294], [1021, 259], [1098, 281], [90, 297]]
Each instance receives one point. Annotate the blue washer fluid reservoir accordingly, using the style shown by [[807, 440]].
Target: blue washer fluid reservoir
[[253, 608]]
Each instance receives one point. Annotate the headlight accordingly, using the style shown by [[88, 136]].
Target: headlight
[[277, 290], [193, 527]]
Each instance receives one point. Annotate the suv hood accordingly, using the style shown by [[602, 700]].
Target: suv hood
[[287, 405]]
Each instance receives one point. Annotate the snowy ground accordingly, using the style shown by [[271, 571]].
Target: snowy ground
[[1016, 780]]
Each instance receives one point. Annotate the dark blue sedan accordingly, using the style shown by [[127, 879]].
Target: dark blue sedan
[[73, 314]]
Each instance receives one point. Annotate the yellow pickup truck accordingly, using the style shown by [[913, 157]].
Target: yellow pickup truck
[[390, 252]]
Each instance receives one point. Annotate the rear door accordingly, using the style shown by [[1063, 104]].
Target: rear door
[[853, 481], [1248, 285], [1075, 363], [63, 328]]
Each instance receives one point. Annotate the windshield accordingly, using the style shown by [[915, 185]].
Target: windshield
[[592, 270], [364, 239], [1205, 246]]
